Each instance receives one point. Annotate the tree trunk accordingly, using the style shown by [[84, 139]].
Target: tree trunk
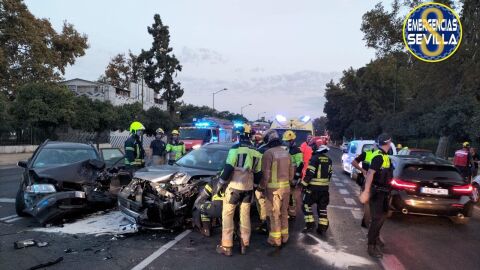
[[442, 147]]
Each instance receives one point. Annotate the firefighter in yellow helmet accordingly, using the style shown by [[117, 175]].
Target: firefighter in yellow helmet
[[297, 160], [134, 152], [175, 148], [242, 169]]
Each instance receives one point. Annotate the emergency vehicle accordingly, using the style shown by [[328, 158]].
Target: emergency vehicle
[[205, 130], [302, 127]]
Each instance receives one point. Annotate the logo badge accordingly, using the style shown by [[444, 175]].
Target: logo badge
[[432, 32]]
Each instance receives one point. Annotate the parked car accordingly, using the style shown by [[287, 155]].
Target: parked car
[[344, 147], [416, 152], [162, 197], [430, 186], [63, 178]]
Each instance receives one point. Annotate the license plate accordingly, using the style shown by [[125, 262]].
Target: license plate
[[434, 191]]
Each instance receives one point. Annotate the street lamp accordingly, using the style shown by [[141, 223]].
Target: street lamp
[[241, 109], [258, 115], [213, 105]]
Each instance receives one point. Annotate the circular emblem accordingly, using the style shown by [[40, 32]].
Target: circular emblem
[[432, 32]]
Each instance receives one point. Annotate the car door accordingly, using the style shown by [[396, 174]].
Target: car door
[[112, 156]]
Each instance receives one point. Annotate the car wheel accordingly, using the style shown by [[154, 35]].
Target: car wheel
[[20, 201], [461, 221]]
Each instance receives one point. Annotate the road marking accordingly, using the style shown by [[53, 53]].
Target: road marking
[[339, 184], [350, 201], [7, 200], [346, 181], [13, 219], [344, 207], [9, 217], [391, 262], [160, 251], [357, 214], [344, 191]]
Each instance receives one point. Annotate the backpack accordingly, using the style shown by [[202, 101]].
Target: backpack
[[461, 158]]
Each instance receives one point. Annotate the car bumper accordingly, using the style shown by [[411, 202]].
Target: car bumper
[[413, 204], [57, 204]]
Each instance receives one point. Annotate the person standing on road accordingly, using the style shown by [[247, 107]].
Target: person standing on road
[[297, 160], [463, 161], [376, 193], [260, 198], [277, 172], [158, 148], [307, 153], [175, 148], [134, 152], [476, 160], [365, 158], [209, 205], [315, 189], [242, 169]]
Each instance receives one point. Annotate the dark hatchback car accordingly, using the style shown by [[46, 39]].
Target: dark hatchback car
[[63, 177], [430, 186], [162, 197]]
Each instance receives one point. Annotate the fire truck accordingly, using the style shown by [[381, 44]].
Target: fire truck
[[302, 126], [205, 130]]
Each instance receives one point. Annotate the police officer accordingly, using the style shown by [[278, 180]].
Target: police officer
[[297, 160], [242, 169], [315, 188], [365, 158], [158, 148], [175, 148], [134, 152], [376, 193], [209, 206]]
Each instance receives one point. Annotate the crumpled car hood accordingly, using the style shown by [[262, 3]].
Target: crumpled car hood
[[79, 172], [166, 173]]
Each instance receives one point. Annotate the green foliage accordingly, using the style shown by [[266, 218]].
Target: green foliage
[[156, 118], [121, 71], [188, 112], [94, 115], [320, 125], [31, 50], [5, 116], [128, 113]]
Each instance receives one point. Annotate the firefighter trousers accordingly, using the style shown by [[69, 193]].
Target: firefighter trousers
[[320, 197], [261, 205], [277, 211], [292, 205], [234, 198], [211, 209]]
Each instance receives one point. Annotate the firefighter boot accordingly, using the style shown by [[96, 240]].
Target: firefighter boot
[[227, 251], [206, 225], [308, 227], [374, 252]]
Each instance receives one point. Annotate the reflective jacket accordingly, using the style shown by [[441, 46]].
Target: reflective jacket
[[134, 152], [297, 160], [319, 171], [176, 150], [207, 194], [382, 177], [277, 169]]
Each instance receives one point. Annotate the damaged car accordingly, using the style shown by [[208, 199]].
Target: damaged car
[[162, 197], [65, 178]]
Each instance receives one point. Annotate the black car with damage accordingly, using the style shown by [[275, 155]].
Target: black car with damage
[[163, 196]]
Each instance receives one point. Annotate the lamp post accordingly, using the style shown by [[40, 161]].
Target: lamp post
[[213, 95], [241, 109]]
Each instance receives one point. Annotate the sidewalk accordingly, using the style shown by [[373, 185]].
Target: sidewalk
[[12, 159]]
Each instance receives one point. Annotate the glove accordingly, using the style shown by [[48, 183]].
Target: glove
[[220, 187]]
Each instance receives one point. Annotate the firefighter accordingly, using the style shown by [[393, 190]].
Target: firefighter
[[463, 161], [377, 192], [277, 173], [175, 148], [158, 148], [365, 158], [134, 152], [242, 169], [209, 205], [260, 198], [257, 140], [297, 160], [315, 188]]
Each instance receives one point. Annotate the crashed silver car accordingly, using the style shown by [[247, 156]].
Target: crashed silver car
[[64, 178], [163, 196]]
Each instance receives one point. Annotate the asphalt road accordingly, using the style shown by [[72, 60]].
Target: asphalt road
[[94, 242]]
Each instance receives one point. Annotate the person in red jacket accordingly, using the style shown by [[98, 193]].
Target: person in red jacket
[[307, 153], [463, 161]]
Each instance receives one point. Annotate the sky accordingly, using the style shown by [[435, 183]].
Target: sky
[[276, 55]]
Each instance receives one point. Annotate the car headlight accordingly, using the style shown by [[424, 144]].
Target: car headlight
[[196, 146], [41, 188]]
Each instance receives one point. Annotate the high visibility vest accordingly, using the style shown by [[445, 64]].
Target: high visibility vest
[[322, 172]]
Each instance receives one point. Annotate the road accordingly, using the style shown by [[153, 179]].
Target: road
[[413, 242]]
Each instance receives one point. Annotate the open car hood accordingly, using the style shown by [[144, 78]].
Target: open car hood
[[167, 173], [79, 172]]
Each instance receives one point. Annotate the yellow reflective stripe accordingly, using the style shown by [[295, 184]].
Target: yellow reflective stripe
[[320, 182], [284, 231], [129, 148], [208, 188], [323, 221], [309, 218], [274, 172], [205, 218], [279, 185], [310, 167], [304, 183], [217, 198], [275, 234]]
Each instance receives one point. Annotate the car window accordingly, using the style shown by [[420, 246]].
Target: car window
[[353, 148], [367, 147], [430, 172], [48, 157], [422, 154], [111, 155], [205, 158]]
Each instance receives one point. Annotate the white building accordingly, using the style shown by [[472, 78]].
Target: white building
[[117, 96]]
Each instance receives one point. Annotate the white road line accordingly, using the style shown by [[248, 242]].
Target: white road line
[[7, 200], [357, 214], [390, 261], [346, 181], [339, 184], [160, 251], [350, 201], [343, 191], [13, 219], [8, 217], [344, 207]]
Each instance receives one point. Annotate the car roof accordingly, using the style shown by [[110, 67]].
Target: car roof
[[60, 144], [222, 145], [419, 150], [364, 141], [416, 160]]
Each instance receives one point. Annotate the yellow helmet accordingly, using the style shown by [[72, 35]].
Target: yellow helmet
[[175, 132], [466, 144], [247, 128], [289, 135], [160, 130], [399, 146], [136, 126]]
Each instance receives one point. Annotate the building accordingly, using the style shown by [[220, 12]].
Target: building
[[117, 96]]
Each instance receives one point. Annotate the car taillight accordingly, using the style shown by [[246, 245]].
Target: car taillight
[[463, 190], [400, 184]]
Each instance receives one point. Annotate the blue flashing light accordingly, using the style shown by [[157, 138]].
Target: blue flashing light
[[202, 124], [238, 124], [305, 118]]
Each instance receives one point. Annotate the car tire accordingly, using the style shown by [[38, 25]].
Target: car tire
[[468, 211], [20, 201], [460, 221]]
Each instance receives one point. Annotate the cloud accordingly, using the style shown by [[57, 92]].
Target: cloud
[[201, 56]]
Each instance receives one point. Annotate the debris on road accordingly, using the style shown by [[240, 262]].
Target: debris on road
[[43, 265], [24, 243], [42, 244]]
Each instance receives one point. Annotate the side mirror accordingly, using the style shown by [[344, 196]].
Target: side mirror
[[22, 163]]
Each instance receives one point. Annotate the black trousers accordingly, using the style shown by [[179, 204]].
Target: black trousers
[[378, 211], [320, 197]]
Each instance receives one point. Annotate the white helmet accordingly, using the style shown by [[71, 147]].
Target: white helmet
[[322, 149]]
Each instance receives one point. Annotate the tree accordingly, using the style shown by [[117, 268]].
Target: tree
[[159, 65], [128, 113], [320, 125], [121, 71], [31, 50], [156, 118], [5, 116]]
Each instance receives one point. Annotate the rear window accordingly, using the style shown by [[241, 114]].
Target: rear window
[[430, 172], [367, 147]]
